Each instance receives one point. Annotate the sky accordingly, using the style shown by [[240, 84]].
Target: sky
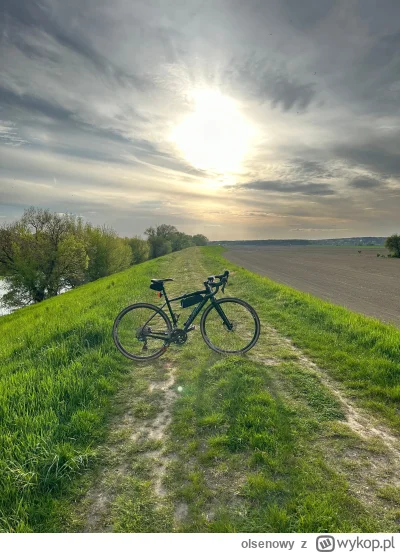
[[234, 119]]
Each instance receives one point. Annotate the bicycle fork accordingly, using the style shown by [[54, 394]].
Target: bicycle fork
[[224, 318]]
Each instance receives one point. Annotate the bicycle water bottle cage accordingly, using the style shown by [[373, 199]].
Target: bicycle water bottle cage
[[192, 300]]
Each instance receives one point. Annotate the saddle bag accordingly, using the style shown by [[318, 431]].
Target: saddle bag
[[191, 300], [157, 286]]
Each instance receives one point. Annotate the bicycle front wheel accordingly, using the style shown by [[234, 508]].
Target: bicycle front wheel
[[230, 325], [141, 331]]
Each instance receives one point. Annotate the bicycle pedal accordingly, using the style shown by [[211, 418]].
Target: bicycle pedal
[[193, 327]]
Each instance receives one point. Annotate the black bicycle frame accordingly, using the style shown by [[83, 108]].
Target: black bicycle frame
[[208, 295]]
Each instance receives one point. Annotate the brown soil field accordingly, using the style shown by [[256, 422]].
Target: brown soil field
[[361, 282]]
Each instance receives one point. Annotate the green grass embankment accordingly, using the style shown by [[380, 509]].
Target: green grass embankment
[[244, 437]]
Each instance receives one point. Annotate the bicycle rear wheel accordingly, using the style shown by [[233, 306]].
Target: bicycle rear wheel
[[244, 322], [141, 331]]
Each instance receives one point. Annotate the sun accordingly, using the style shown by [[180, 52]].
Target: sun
[[215, 136]]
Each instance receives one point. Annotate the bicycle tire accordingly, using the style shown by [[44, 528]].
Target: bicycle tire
[[251, 311], [120, 317]]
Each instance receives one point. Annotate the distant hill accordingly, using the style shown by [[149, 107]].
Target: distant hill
[[355, 241]]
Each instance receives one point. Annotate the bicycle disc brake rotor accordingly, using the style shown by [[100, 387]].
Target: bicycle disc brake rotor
[[179, 336]]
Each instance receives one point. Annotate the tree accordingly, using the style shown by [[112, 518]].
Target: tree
[[200, 240], [159, 246], [180, 241], [41, 254], [159, 237], [107, 252], [140, 249], [393, 245], [166, 231]]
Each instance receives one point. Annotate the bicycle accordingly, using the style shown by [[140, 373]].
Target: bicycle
[[143, 331]]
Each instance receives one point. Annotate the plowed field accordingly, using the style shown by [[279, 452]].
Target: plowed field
[[361, 282]]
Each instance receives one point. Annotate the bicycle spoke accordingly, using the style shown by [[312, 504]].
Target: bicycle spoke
[[141, 332], [244, 327]]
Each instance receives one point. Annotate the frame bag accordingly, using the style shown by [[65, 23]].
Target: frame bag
[[191, 300]]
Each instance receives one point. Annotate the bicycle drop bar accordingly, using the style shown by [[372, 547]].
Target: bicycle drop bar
[[223, 279], [225, 275]]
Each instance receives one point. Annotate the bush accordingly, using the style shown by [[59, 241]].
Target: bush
[[108, 253], [140, 249], [393, 245]]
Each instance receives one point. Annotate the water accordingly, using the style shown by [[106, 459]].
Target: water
[[3, 290]]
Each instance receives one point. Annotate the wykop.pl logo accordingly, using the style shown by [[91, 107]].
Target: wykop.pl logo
[[325, 543]]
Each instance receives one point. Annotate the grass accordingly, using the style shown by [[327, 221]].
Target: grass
[[360, 352], [59, 369], [248, 464], [248, 445]]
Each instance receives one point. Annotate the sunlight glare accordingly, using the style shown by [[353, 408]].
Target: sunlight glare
[[215, 136]]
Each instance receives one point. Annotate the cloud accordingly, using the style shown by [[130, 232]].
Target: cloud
[[318, 229], [22, 15], [306, 169], [10, 100], [289, 94], [312, 189], [308, 13], [268, 82], [91, 92], [366, 183], [373, 156], [9, 134]]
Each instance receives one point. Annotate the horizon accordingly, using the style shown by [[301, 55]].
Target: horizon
[[265, 118], [308, 239]]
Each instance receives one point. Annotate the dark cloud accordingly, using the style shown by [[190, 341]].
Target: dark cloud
[[10, 100], [310, 169], [20, 14], [307, 13], [268, 82], [366, 183], [288, 93], [373, 79], [372, 156], [312, 189]]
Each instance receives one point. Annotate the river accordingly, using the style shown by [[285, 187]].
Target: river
[[3, 290]]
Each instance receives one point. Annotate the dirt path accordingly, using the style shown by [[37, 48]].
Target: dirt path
[[359, 421], [143, 435], [361, 448], [130, 434]]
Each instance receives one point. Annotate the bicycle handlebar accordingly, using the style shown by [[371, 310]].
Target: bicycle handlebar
[[223, 280]]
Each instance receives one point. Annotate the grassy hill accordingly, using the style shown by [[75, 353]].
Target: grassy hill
[[92, 441]]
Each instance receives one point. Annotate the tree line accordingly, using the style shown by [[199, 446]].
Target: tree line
[[45, 253]]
